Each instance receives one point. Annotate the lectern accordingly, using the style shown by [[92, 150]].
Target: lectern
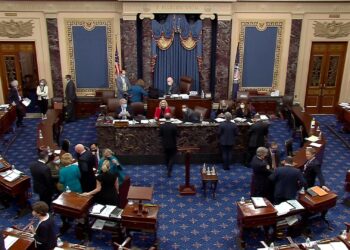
[[187, 189]]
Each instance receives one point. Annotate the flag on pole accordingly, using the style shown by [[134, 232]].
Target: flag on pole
[[236, 75], [116, 62]]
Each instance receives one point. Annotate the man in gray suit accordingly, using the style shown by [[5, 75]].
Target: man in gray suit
[[123, 85]]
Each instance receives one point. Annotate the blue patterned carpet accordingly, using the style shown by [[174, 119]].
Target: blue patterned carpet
[[192, 222]]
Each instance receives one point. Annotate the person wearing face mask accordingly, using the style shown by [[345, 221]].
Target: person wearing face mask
[[43, 184], [114, 165], [54, 166], [16, 100], [161, 110], [137, 93], [273, 157], [123, 85], [188, 115], [223, 108], [171, 88], [71, 97], [243, 111], [42, 91], [96, 153], [124, 111]]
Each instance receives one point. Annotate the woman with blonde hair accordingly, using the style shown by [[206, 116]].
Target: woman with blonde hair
[[162, 110], [69, 175], [42, 91], [114, 165], [106, 190]]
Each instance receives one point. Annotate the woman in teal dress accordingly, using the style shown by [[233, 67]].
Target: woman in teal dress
[[69, 175], [115, 167]]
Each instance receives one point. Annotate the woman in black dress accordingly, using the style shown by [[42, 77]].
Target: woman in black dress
[[45, 232], [106, 187]]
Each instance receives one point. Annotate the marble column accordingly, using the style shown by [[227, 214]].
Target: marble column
[[204, 74], [223, 48], [293, 56], [146, 51], [129, 49], [55, 61]]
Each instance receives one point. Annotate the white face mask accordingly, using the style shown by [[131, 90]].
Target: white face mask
[[169, 83], [41, 84], [57, 161], [124, 105], [242, 106], [184, 110]]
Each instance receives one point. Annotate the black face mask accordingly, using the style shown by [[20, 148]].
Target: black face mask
[[163, 108]]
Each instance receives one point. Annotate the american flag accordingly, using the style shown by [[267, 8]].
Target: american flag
[[116, 62], [236, 75]]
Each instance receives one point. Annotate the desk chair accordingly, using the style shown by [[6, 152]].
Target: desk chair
[[105, 95], [138, 110], [172, 110], [123, 192], [202, 111], [185, 84], [112, 105]]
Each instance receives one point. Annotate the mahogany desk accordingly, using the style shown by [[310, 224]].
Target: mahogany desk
[[72, 205], [212, 180], [7, 119], [25, 240], [192, 102]]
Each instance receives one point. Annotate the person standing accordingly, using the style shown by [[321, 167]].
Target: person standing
[[43, 183], [227, 137], [114, 165], [42, 91], [168, 133], [273, 157], [123, 85], [71, 97], [86, 163], [137, 93], [16, 100]]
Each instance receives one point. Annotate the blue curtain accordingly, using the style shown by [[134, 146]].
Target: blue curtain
[[176, 60]]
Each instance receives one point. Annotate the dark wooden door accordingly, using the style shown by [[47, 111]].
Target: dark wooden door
[[325, 76]]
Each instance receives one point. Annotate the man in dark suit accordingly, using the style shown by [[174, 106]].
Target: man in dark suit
[[261, 185], [188, 115], [168, 133], [16, 100], [43, 184], [312, 169], [257, 136], [124, 111], [86, 163], [227, 136], [123, 85], [287, 181], [71, 97], [273, 157], [171, 87]]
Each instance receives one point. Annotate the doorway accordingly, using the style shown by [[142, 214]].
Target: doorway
[[18, 62], [325, 76]]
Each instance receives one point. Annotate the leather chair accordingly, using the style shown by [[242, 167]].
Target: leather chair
[[123, 192], [185, 84], [112, 105], [138, 108], [106, 94], [172, 111], [202, 111]]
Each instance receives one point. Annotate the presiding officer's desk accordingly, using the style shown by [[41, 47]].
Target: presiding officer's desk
[[141, 143]]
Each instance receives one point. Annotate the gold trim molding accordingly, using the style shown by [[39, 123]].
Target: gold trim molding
[[331, 29], [89, 25], [16, 29], [262, 25]]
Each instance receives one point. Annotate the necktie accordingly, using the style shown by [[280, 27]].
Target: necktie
[[273, 162]]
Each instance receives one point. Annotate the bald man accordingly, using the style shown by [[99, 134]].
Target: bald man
[[171, 87], [16, 100], [86, 162]]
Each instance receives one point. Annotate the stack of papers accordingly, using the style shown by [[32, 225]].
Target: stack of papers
[[238, 119], [98, 224], [314, 144], [344, 104], [144, 121], [96, 209], [26, 102], [283, 208], [312, 138], [176, 121], [11, 175], [9, 241], [258, 202], [219, 119], [336, 245], [184, 96], [264, 117]]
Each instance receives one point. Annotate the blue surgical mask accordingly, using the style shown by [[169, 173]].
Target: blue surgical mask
[[124, 105], [57, 161]]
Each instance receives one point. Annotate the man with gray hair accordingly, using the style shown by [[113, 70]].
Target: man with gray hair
[[16, 100], [261, 185], [227, 137]]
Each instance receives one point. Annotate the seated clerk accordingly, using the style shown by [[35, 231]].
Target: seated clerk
[[273, 152], [287, 181], [312, 169], [124, 112], [171, 87], [188, 115], [243, 111], [161, 110], [223, 108], [106, 191]]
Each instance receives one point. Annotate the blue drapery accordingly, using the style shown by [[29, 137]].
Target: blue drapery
[[176, 50]]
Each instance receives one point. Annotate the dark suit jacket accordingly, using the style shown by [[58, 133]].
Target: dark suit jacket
[[120, 91], [168, 133], [128, 108], [14, 96], [42, 179], [86, 164], [268, 158], [287, 181], [171, 90], [191, 116], [70, 92], [257, 133], [261, 184], [311, 171], [45, 234], [227, 133], [241, 114]]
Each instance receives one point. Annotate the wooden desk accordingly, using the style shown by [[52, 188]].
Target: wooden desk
[[318, 204], [192, 102], [7, 119], [25, 240], [6, 165], [140, 194], [212, 180], [46, 128], [86, 106], [72, 205]]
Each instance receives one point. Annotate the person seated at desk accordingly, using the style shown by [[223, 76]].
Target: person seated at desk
[[106, 190], [124, 111], [188, 115], [223, 108], [273, 157], [312, 169], [287, 181], [161, 110], [137, 92], [69, 175], [171, 88], [243, 111], [45, 232], [115, 167]]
